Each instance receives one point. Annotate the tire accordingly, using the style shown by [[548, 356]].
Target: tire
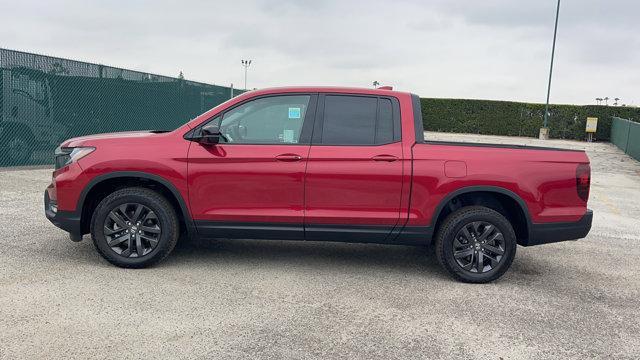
[[149, 234], [477, 224], [18, 149]]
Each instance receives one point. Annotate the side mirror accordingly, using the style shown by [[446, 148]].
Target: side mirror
[[210, 134]]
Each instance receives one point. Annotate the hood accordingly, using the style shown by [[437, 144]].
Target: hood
[[86, 140]]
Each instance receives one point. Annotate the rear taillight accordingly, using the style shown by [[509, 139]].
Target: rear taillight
[[583, 181]]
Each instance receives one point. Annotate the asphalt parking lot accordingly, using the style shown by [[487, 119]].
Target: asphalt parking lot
[[279, 299]]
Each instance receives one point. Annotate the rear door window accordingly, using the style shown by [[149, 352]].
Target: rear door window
[[384, 127], [357, 120]]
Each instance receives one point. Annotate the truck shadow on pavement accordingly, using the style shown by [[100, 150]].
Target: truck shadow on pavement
[[313, 255], [318, 255]]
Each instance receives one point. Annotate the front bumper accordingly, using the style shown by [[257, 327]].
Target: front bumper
[[555, 232], [68, 221]]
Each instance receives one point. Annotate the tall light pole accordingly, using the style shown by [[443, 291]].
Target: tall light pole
[[246, 64], [553, 50]]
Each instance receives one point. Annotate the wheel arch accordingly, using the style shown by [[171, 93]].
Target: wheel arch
[[505, 201], [102, 185]]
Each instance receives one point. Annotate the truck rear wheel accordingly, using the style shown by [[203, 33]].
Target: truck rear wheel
[[134, 227], [476, 244]]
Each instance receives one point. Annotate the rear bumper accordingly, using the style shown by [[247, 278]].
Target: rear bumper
[[555, 232], [66, 220]]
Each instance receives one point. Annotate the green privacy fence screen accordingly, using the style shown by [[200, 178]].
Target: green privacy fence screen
[[625, 134], [45, 100]]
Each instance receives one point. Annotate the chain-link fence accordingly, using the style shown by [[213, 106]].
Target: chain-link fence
[[45, 100]]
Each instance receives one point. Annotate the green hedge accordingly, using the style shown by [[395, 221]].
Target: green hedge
[[518, 119]]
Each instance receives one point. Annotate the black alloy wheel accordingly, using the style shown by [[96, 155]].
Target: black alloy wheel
[[478, 247], [134, 227], [476, 244], [132, 230]]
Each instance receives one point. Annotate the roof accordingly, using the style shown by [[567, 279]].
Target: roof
[[323, 89]]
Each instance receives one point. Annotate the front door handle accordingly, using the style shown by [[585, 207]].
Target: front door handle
[[289, 157], [387, 158]]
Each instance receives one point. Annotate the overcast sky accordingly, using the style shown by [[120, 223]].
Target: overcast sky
[[490, 49]]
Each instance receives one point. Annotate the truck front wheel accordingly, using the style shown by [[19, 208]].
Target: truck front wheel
[[134, 227], [476, 244]]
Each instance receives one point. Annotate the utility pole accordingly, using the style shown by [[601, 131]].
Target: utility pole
[[246, 64], [553, 50]]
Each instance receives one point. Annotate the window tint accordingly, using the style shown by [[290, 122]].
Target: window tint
[[357, 120], [270, 120], [384, 131]]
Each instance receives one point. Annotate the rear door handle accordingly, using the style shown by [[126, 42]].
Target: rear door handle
[[288, 157], [388, 158]]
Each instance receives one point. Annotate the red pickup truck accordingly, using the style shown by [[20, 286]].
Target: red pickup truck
[[310, 163]]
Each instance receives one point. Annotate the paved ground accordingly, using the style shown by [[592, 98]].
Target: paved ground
[[251, 299]]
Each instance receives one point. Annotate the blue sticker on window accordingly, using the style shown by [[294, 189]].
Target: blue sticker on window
[[294, 113]]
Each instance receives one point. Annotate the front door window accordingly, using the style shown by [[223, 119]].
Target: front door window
[[270, 120]]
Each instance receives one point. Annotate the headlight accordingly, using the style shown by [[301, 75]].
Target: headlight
[[67, 155]]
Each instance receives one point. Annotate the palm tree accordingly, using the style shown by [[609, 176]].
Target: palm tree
[[376, 83], [606, 100], [598, 100], [616, 103]]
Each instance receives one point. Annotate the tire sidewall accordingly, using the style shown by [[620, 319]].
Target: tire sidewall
[[20, 156], [166, 218], [492, 217]]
